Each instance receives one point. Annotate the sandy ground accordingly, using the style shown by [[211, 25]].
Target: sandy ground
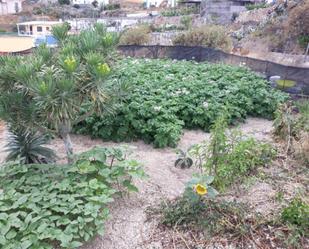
[[15, 44], [128, 227]]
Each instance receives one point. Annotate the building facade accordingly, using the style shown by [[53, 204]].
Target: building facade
[[36, 28], [10, 7]]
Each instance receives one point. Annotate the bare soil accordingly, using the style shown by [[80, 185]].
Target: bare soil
[[128, 227]]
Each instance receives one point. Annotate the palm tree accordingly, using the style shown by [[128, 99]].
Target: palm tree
[[47, 89]]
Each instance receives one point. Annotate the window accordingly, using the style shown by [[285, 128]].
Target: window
[[39, 29]]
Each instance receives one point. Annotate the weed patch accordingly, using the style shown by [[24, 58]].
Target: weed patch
[[222, 223]]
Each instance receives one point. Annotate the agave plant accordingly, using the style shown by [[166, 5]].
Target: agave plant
[[28, 147]]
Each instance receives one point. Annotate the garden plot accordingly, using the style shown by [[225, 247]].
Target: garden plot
[[129, 228], [47, 201]]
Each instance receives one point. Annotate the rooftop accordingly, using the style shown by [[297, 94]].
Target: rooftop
[[11, 44], [40, 23]]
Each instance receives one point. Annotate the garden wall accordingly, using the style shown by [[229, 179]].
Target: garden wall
[[298, 74]]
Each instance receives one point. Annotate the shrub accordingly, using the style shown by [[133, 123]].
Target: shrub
[[179, 11], [38, 11], [111, 6], [297, 213], [303, 40], [64, 2], [212, 36], [256, 6], [167, 27], [43, 206], [230, 158], [298, 20], [28, 147], [186, 21], [292, 126], [161, 97], [136, 36]]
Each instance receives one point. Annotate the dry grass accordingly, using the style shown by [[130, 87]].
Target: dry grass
[[298, 22], [136, 36], [301, 147], [212, 36]]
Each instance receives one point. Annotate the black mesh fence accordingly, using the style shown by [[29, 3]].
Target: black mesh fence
[[297, 75]]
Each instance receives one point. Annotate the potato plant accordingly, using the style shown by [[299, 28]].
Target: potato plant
[[165, 96]]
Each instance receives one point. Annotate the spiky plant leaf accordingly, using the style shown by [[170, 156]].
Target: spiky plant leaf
[[28, 147]]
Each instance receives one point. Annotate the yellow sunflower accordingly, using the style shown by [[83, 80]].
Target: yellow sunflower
[[200, 189]]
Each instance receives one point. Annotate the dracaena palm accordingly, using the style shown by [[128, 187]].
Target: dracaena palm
[[52, 86]]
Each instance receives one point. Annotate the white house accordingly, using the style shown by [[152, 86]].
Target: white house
[[10, 6], [100, 2], [36, 28]]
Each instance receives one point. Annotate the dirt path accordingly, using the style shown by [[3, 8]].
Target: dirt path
[[128, 228]]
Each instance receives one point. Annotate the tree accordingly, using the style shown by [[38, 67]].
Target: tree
[[45, 91]]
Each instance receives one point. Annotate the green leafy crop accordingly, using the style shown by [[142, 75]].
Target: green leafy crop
[[46, 205], [165, 96]]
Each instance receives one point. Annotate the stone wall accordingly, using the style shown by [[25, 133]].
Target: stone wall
[[223, 11]]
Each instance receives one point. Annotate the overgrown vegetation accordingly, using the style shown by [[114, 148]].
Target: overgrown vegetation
[[139, 35], [212, 36], [215, 217], [297, 214], [256, 6], [290, 30], [46, 205], [228, 223], [111, 6], [44, 91], [303, 40], [298, 21], [291, 125], [180, 11], [162, 97], [230, 158]]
